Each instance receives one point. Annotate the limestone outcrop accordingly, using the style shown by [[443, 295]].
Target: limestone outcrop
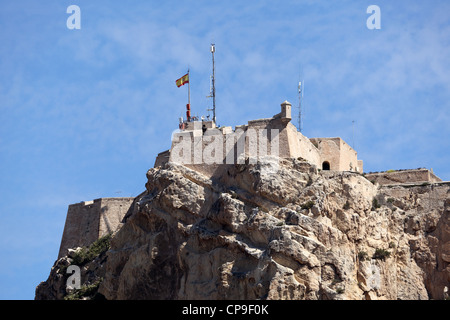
[[278, 229]]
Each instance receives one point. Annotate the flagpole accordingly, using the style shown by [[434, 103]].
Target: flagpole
[[189, 89]]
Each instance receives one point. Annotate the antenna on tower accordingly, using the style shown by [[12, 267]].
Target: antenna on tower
[[301, 86], [353, 134], [213, 87]]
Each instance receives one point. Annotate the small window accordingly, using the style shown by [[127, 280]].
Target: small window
[[325, 165]]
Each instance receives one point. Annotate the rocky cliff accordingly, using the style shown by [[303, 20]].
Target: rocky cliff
[[272, 230]]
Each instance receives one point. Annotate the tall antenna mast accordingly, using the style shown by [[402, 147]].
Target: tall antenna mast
[[353, 134], [300, 96], [213, 87]]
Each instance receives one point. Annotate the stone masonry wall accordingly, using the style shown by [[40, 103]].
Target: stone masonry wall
[[329, 152], [270, 136], [275, 136], [348, 159], [338, 154], [403, 176], [89, 220]]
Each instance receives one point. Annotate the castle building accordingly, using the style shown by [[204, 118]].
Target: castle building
[[88, 221], [200, 142]]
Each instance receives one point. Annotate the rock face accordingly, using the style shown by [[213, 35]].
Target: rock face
[[274, 230]]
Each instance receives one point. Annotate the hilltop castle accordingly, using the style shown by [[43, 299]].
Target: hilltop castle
[[200, 142], [200, 145]]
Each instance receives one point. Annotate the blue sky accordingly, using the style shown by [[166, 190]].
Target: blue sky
[[85, 112]]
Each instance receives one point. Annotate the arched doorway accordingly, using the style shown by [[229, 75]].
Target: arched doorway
[[325, 165]]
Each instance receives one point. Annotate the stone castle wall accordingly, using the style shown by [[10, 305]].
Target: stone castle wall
[[202, 143], [89, 220], [338, 154], [415, 176]]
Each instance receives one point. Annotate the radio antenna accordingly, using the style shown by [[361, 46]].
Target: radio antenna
[[213, 84], [353, 134], [301, 86]]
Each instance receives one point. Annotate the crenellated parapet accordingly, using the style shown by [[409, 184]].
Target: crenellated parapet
[[201, 142]]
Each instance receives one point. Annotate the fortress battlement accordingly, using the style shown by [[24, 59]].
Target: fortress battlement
[[89, 220], [201, 142]]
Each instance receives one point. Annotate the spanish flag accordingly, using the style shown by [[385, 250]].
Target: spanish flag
[[183, 80]]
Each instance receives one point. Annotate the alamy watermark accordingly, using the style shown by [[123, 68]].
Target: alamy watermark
[[212, 146], [374, 20], [74, 20], [74, 281]]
